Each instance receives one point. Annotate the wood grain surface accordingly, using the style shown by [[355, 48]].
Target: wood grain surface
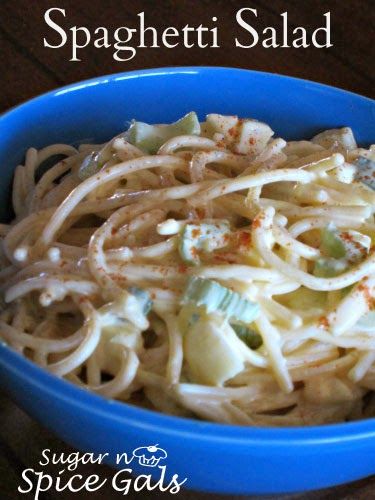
[[28, 69]]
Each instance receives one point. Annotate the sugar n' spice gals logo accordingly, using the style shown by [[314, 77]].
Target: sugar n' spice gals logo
[[67, 479]]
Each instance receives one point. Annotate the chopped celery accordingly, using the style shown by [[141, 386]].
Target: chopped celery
[[95, 161], [188, 124], [331, 243], [203, 236], [327, 267], [89, 166], [351, 245], [304, 299], [366, 171], [251, 338], [143, 298], [149, 138], [217, 298], [146, 137], [341, 248], [210, 355]]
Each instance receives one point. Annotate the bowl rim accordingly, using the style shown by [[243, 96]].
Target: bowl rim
[[170, 70], [126, 414], [156, 422]]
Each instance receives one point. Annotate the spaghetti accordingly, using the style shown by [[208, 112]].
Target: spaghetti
[[200, 269]]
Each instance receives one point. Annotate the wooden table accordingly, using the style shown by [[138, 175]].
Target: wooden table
[[28, 69]]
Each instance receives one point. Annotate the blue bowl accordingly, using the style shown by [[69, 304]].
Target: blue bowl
[[213, 457]]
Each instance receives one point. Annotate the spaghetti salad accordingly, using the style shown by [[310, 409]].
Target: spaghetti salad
[[200, 269]]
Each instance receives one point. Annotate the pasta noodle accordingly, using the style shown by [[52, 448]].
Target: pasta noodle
[[199, 269]]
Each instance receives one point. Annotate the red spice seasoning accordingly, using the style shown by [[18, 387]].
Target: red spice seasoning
[[366, 293], [200, 213], [233, 132], [257, 222], [194, 251], [244, 238], [323, 322], [227, 257], [220, 144]]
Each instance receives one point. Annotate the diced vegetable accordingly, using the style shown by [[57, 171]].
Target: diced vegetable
[[217, 298], [95, 161], [143, 298], [365, 171], [205, 237], [336, 138], [243, 136], [341, 249], [253, 137], [304, 299], [327, 267], [146, 137], [149, 138], [251, 338], [349, 245], [89, 166], [331, 243], [210, 355], [220, 124], [189, 315]]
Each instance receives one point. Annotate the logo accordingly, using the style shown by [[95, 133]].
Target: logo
[[149, 456], [123, 480]]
